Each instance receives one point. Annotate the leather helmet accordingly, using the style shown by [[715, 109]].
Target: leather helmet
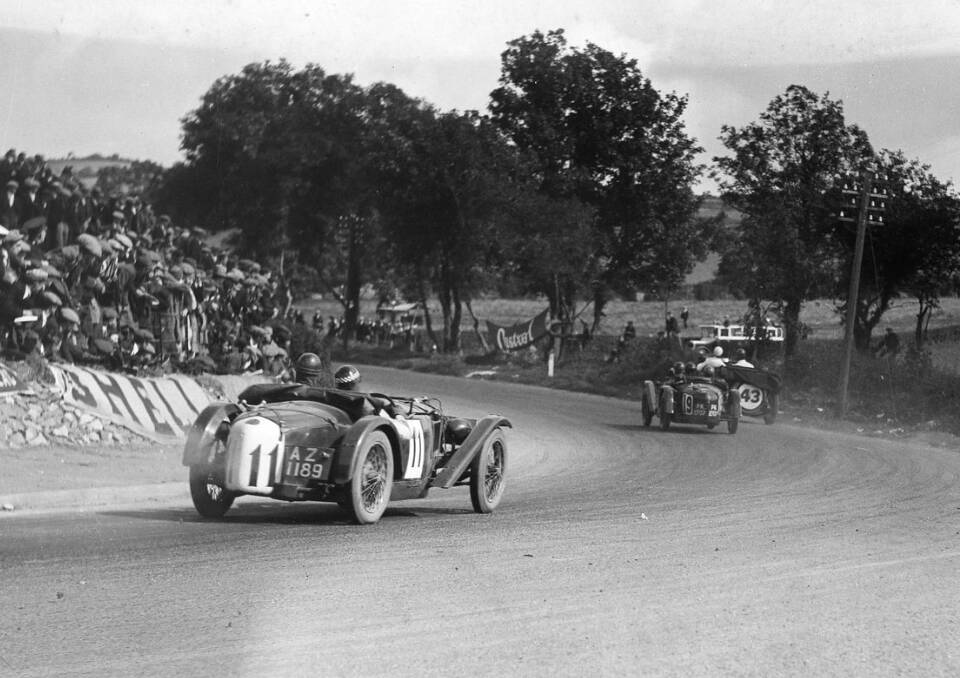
[[308, 366]]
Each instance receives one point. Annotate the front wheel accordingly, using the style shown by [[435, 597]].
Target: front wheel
[[487, 473], [372, 481], [646, 411], [210, 497], [664, 414]]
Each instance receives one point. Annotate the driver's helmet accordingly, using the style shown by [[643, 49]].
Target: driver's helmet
[[347, 378], [740, 354], [718, 352], [308, 368], [709, 371]]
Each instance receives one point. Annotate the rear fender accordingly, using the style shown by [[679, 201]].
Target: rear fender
[[666, 398], [343, 463], [469, 449], [203, 432]]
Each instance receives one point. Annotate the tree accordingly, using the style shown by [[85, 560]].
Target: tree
[[915, 251], [448, 188], [283, 152], [782, 175], [603, 136]]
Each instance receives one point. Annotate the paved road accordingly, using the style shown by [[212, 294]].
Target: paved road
[[616, 551]]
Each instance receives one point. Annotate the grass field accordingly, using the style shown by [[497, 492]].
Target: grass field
[[648, 316]]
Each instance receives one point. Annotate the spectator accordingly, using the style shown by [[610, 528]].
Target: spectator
[[685, 316], [889, 345], [672, 327]]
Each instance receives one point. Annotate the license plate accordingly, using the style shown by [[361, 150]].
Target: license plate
[[303, 470], [302, 463]]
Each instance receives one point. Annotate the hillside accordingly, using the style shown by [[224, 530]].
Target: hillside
[[86, 169]]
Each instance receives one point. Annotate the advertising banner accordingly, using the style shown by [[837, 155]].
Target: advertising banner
[[518, 336], [160, 408]]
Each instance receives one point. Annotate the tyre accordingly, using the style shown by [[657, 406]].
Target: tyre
[[487, 473], [773, 405], [646, 411], [369, 490], [210, 497], [664, 415], [733, 423]]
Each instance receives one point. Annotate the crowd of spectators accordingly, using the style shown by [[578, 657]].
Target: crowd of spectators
[[88, 278]]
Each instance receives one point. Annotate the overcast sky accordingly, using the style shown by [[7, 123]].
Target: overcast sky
[[116, 76]]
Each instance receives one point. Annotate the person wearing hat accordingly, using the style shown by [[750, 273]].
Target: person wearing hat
[[35, 233], [10, 206]]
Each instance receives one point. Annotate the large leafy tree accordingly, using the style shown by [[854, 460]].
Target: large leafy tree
[[604, 136], [782, 174], [282, 152], [446, 188], [915, 251]]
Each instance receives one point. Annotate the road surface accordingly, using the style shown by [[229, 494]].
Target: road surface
[[617, 550]]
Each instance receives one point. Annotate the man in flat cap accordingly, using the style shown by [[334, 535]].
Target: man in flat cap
[[10, 206]]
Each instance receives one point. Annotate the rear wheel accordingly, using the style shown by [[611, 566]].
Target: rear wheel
[[734, 421], [372, 481], [487, 473], [773, 404], [210, 497]]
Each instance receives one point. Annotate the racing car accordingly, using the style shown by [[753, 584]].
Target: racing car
[[295, 442], [759, 390], [690, 399]]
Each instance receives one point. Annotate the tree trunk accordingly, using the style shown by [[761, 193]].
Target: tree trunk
[[455, 321], [791, 326], [923, 317], [351, 309], [476, 327], [427, 318]]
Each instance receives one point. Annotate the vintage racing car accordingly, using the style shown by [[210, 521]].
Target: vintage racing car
[[759, 390], [301, 443], [690, 399]]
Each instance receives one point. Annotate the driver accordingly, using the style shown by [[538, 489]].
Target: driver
[[347, 378], [309, 370]]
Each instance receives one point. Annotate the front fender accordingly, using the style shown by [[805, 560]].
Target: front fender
[[343, 463], [469, 449], [202, 433]]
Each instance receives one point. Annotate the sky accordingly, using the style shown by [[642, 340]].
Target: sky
[[117, 76]]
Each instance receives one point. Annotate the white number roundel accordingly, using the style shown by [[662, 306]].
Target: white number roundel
[[751, 397]]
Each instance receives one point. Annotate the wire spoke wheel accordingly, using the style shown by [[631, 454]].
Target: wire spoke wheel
[[487, 473], [369, 491], [374, 478]]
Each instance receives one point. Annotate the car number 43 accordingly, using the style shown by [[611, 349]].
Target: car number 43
[[751, 397]]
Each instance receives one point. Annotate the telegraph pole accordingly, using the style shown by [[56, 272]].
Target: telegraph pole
[[870, 202]]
